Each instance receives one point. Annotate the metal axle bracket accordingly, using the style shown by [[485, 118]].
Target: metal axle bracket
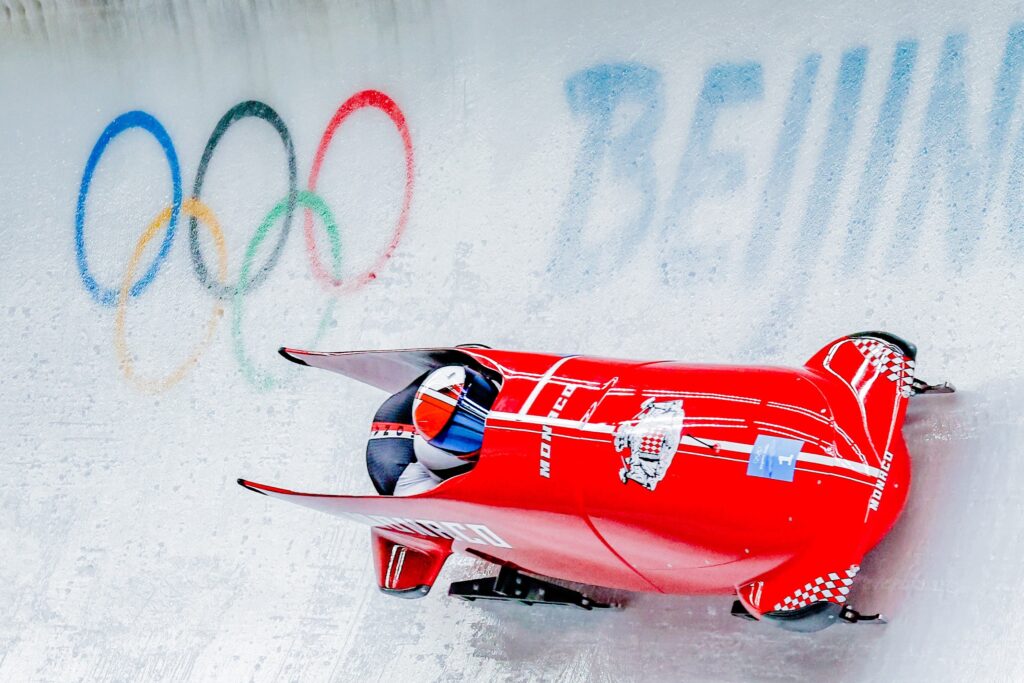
[[512, 585]]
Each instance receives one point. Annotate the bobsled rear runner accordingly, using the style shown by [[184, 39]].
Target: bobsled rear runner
[[769, 484]]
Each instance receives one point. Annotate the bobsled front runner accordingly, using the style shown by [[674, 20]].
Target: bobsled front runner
[[768, 483]]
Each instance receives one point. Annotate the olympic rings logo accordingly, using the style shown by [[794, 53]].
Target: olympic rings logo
[[251, 275]]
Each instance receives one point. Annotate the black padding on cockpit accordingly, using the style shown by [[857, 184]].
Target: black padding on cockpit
[[386, 458]]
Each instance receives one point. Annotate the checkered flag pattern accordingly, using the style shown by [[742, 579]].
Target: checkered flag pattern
[[651, 443], [831, 588], [890, 361]]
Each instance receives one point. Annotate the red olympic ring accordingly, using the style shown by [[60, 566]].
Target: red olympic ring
[[366, 98]]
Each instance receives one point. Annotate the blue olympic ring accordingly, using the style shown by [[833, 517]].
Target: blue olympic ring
[[107, 296]]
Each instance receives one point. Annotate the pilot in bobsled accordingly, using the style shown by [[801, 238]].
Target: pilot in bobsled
[[767, 483], [430, 431]]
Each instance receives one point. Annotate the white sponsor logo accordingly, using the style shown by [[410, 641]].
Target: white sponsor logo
[[754, 598], [876, 493], [546, 431]]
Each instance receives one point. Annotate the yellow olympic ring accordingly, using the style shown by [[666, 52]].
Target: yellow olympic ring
[[202, 213]]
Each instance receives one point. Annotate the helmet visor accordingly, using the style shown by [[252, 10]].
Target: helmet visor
[[451, 407]]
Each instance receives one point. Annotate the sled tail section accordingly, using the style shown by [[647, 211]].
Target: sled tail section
[[423, 516], [339, 505], [388, 370], [877, 371]]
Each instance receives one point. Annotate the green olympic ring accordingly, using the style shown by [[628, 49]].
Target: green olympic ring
[[262, 380]]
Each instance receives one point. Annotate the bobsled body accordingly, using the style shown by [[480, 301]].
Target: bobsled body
[[657, 476]]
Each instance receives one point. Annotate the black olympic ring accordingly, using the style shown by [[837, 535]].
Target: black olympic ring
[[243, 110]]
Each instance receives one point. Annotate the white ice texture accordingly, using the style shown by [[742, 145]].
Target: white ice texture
[[733, 181]]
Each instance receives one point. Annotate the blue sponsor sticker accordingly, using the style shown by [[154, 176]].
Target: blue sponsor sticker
[[774, 458]]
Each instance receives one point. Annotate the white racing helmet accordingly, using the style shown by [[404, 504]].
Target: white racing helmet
[[448, 412]]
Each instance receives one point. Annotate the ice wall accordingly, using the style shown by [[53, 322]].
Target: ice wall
[[727, 181]]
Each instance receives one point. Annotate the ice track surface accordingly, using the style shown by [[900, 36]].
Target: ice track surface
[[728, 181]]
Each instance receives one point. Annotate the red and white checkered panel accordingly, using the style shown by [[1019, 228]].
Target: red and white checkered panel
[[890, 360], [831, 588], [652, 442]]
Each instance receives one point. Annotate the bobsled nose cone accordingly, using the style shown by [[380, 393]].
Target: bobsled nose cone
[[908, 349]]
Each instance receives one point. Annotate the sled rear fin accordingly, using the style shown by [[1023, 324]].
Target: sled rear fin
[[877, 370], [388, 370]]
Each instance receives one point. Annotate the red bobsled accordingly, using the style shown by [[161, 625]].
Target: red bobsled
[[767, 483]]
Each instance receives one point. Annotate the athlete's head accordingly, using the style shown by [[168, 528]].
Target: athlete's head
[[450, 408]]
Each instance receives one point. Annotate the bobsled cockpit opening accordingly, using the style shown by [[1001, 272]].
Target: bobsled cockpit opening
[[431, 430]]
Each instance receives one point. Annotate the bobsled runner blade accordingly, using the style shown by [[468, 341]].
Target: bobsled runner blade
[[511, 585]]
